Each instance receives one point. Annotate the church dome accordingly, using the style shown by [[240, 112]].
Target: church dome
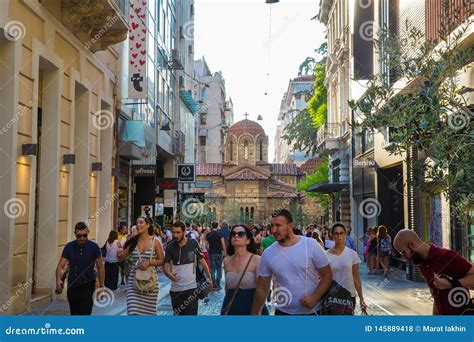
[[246, 126]]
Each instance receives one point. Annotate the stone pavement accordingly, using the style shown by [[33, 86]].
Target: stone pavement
[[392, 296]]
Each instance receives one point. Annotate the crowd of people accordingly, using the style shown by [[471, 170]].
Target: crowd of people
[[310, 271]]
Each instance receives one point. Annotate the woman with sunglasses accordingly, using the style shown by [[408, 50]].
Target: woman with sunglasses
[[344, 263], [145, 252], [241, 268]]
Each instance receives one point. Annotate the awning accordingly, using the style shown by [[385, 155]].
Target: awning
[[328, 188], [189, 101]]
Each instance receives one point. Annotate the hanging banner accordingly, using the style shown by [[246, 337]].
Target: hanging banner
[[137, 40]]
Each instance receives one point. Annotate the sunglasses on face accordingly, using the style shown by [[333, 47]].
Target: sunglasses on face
[[79, 236], [240, 234]]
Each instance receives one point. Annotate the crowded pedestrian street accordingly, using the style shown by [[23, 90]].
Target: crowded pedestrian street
[[257, 158], [384, 297]]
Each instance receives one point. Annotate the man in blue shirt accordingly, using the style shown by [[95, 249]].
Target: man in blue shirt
[[349, 241], [82, 255], [225, 232]]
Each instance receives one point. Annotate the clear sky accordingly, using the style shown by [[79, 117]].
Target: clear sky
[[233, 36]]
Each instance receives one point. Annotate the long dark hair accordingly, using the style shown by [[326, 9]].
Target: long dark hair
[[113, 235], [250, 247], [133, 241]]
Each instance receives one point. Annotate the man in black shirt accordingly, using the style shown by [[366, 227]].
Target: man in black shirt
[[217, 249], [82, 255]]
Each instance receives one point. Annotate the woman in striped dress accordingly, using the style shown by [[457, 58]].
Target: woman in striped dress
[[145, 251]]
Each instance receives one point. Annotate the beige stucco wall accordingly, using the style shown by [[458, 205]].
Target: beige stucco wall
[[65, 62]]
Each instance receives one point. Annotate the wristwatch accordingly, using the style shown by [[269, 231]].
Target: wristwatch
[[454, 282]]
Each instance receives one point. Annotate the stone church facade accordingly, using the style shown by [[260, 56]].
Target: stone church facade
[[246, 187]]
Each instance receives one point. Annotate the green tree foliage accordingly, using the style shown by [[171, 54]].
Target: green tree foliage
[[433, 116], [317, 105], [301, 132], [320, 175]]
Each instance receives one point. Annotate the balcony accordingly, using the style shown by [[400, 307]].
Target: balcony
[[447, 15], [330, 137], [97, 24]]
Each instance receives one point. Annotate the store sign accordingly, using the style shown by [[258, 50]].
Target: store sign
[[167, 183], [205, 184], [186, 172], [363, 163], [137, 41], [168, 215], [144, 170]]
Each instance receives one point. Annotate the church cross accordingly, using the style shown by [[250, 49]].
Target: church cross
[[246, 114]]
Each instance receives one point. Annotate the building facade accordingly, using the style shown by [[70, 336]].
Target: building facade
[[368, 172], [215, 116], [246, 187], [58, 72], [292, 103]]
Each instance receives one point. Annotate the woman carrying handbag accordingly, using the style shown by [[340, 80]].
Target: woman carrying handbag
[[241, 268], [146, 254]]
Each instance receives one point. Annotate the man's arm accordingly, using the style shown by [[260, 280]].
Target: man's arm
[[203, 264], [224, 247], [468, 280], [325, 281], [61, 264], [168, 273], [261, 293], [100, 270]]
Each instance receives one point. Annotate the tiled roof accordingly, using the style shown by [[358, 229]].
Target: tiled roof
[[283, 195], [310, 165], [246, 175], [246, 126], [285, 169], [275, 184], [208, 169], [304, 78]]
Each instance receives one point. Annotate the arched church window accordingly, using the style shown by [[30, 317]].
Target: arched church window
[[261, 151], [252, 213], [231, 151], [246, 149]]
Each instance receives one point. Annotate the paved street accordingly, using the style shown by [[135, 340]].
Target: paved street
[[394, 296]]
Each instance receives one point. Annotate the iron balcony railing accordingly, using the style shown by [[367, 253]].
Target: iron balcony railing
[[332, 131]]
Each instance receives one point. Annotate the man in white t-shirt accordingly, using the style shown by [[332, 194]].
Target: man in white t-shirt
[[295, 262]]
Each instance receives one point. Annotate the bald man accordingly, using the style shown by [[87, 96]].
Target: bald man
[[435, 263]]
